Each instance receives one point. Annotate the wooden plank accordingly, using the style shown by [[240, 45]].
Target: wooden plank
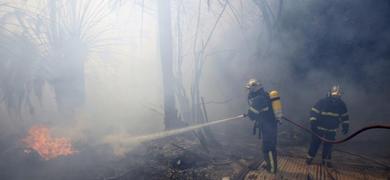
[[296, 168]]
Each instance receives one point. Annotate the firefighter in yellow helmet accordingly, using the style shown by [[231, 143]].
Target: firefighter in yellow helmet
[[325, 118], [265, 111]]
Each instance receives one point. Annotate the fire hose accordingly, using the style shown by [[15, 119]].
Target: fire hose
[[345, 139], [341, 140]]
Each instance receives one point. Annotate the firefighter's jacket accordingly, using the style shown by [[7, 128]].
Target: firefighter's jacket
[[328, 113], [260, 107]]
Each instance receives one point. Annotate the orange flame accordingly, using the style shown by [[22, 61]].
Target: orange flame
[[40, 140]]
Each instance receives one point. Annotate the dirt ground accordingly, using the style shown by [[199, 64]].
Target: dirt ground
[[178, 157]]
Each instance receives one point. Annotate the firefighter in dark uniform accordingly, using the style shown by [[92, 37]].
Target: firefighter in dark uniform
[[325, 118], [261, 112]]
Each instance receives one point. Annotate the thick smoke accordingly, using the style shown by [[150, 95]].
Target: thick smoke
[[300, 48], [315, 45]]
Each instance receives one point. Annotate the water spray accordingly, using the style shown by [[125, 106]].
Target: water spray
[[128, 140]]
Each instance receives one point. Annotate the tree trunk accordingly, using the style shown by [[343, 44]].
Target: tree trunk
[[165, 37]]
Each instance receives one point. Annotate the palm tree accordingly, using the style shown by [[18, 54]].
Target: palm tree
[[59, 39]]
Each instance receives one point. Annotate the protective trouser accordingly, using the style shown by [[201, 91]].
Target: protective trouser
[[269, 131], [257, 126], [316, 142]]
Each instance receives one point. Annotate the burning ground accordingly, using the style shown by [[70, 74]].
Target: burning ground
[[40, 141]]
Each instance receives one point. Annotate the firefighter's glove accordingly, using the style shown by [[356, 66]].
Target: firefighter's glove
[[246, 116], [279, 120], [345, 130]]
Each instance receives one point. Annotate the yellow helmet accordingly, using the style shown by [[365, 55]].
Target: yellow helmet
[[335, 91], [252, 83]]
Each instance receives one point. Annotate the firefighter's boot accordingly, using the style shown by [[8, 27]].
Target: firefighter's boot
[[271, 161], [309, 161], [327, 163]]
